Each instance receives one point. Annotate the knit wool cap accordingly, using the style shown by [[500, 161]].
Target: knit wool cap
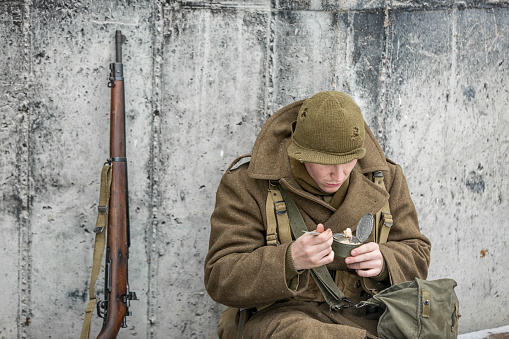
[[329, 130]]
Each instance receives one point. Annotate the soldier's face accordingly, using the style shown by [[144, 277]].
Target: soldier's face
[[329, 178]]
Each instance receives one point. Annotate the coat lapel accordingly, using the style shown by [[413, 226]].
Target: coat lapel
[[363, 197]]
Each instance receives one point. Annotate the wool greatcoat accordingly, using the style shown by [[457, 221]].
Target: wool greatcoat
[[242, 271]]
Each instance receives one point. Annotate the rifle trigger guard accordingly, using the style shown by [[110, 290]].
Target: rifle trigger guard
[[101, 309]]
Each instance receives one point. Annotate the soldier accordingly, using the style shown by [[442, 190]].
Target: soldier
[[322, 153]]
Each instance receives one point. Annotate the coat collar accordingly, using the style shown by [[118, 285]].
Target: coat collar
[[269, 159]]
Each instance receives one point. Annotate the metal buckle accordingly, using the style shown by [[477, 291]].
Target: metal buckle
[[351, 304], [387, 219], [280, 207]]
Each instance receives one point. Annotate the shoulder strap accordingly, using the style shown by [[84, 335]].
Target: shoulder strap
[[383, 223], [100, 241], [278, 225], [383, 218]]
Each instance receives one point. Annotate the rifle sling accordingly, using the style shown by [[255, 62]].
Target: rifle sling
[[333, 295], [100, 242]]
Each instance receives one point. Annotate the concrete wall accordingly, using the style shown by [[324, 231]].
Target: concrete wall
[[201, 78]]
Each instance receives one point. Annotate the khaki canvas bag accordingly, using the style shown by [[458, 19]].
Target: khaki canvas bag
[[418, 309]]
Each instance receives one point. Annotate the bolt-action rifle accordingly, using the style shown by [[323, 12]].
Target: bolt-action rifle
[[113, 205]]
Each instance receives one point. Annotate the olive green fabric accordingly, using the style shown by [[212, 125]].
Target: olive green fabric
[[418, 309], [329, 130]]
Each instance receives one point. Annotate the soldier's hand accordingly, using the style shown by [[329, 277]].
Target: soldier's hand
[[366, 260], [310, 251]]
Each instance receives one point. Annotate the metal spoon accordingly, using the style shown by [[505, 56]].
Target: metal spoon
[[364, 228], [316, 233]]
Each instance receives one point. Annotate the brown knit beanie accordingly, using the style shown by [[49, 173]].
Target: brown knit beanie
[[329, 130]]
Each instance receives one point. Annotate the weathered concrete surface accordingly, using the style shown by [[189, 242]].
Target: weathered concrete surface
[[448, 124], [201, 78]]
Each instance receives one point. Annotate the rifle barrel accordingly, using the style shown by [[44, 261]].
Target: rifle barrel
[[119, 40]]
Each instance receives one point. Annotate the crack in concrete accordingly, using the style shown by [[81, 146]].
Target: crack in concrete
[[23, 185], [152, 231]]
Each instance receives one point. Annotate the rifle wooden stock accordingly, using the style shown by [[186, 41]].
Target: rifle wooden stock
[[117, 295]]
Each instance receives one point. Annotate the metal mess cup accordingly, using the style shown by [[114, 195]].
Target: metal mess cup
[[343, 246]]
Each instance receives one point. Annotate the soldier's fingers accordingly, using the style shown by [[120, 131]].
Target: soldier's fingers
[[367, 273]]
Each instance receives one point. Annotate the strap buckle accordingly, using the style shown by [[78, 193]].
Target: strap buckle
[[387, 219], [351, 304], [271, 239], [280, 207]]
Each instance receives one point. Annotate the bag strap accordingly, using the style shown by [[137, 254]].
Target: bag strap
[[333, 295], [100, 241]]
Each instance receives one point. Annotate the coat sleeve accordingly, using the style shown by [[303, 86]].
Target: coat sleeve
[[407, 251], [240, 270]]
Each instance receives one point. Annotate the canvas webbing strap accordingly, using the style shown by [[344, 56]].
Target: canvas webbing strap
[[383, 223], [333, 295], [100, 241], [383, 219], [278, 225]]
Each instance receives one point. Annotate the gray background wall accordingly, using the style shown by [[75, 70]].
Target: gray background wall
[[201, 78]]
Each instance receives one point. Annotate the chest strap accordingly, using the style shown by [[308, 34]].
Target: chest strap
[[278, 225], [383, 218]]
